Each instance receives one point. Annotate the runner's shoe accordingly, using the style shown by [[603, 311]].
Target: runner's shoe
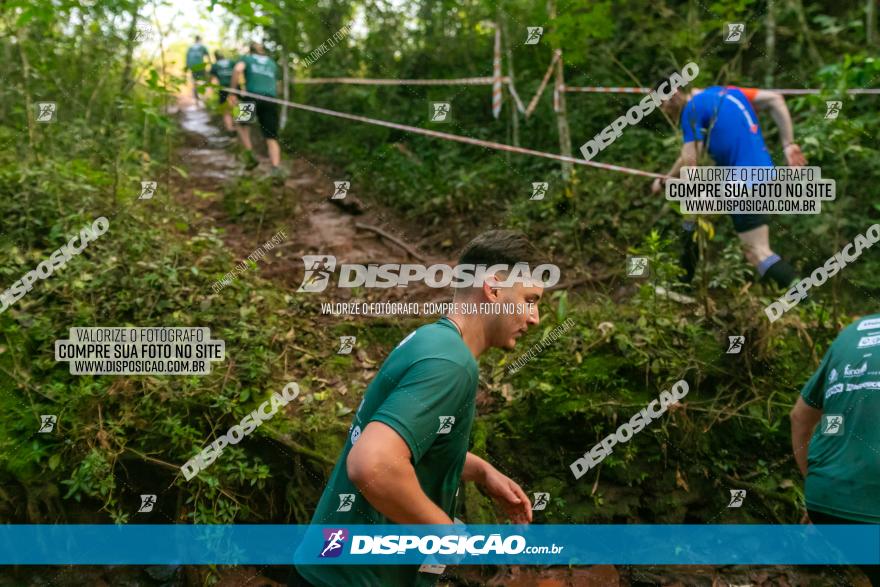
[[278, 175], [249, 159]]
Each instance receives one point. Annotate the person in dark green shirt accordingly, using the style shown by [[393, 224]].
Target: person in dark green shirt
[[407, 447], [840, 458], [195, 63], [221, 74], [261, 77]]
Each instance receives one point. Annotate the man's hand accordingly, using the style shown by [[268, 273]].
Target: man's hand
[[507, 494], [794, 156]]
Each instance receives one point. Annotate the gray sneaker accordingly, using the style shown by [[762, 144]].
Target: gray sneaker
[[277, 175]]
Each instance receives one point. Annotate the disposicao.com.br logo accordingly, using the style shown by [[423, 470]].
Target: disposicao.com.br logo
[[320, 268], [452, 544]]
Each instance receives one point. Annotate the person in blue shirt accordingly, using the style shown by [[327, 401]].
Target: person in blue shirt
[[723, 119]]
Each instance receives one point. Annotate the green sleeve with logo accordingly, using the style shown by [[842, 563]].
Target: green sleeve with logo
[[427, 402]]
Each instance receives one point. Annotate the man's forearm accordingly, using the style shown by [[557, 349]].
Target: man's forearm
[[474, 468], [782, 118], [800, 443], [397, 495]]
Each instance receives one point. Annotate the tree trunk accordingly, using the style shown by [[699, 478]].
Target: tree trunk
[[870, 20], [561, 116], [514, 113], [129, 48], [770, 43], [285, 86]]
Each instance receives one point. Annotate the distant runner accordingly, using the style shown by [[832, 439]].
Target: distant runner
[[840, 459], [407, 448], [195, 63], [261, 77], [221, 74], [727, 116]]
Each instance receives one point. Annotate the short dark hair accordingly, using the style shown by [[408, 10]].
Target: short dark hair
[[661, 81], [198, 38], [218, 54], [497, 247]]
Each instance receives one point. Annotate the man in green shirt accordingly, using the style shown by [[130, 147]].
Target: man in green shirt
[[261, 77], [221, 75], [840, 458], [195, 63], [407, 447]]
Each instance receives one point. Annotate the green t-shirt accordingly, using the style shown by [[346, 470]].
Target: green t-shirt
[[195, 55], [425, 391], [843, 461], [222, 69], [261, 74]]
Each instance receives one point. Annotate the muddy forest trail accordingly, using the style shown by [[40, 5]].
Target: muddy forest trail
[[359, 232]]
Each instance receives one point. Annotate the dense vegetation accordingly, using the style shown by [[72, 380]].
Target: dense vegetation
[[119, 436]]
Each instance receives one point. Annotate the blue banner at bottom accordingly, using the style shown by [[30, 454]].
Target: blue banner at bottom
[[637, 544]]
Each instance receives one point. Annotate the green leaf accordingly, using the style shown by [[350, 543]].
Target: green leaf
[[54, 461]]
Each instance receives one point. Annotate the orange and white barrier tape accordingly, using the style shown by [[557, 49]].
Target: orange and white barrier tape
[[496, 74], [633, 90], [448, 136], [537, 96]]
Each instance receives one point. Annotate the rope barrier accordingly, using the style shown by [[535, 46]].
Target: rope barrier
[[449, 136], [465, 81], [635, 90]]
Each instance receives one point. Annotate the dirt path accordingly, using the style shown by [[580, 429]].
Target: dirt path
[[316, 226], [313, 223]]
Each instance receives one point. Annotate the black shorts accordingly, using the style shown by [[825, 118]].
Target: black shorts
[[267, 116], [746, 222], [223, 95], [872, 571]]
